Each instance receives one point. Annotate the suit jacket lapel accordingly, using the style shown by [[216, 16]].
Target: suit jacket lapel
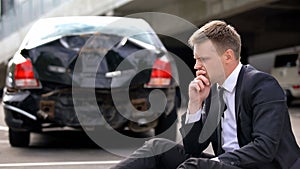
[[238, 92], [214, 129], [210, 120], [209, 107]]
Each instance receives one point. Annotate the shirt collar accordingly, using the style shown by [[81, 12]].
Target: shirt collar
[[230, 82]]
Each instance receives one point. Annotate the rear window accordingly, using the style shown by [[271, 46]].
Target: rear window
[[287, 60], [50, 29]]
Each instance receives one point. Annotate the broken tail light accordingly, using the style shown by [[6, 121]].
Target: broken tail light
[[24, 76], [161, 73]]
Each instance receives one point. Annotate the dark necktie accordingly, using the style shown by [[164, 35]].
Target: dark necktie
[[212, 117], [222, 108]]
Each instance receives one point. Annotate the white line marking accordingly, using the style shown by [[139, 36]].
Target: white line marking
[[58, 163], [3, 128], [4, 141]]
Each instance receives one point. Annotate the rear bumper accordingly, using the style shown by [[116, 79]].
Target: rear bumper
[[31, 111], [19, 120], [293, 92]]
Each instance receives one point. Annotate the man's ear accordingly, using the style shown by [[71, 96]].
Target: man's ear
[[229, 54]]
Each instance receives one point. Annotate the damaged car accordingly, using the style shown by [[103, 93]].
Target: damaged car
[[88, 72]]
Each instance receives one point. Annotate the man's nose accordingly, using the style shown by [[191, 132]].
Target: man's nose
[[198, 64]]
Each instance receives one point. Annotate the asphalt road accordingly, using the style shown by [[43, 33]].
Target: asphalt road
[[72, 149], [55, 149]]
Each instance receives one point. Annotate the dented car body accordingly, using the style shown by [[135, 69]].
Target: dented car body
[[89, 72]]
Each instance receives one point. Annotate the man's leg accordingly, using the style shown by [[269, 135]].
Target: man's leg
[[204, 163], [155, 153]]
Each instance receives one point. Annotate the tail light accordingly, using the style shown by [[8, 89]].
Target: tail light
[[161, 73], [24, 75], [296, 86]]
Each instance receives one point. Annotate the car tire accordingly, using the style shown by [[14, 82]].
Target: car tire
[[289, 101], [19, 138], [167, 126], [289, 97]]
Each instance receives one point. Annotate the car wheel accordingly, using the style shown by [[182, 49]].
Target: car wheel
[[19, 138], [289, 97], [167, 125], [289, 101]]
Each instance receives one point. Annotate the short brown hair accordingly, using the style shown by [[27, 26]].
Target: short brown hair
[[222, 35]]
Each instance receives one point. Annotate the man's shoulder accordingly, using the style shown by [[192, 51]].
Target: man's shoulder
[[252, 74], [252, 70], [256, 79]]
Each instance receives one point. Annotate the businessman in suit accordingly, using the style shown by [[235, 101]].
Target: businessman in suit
[[241, 111]]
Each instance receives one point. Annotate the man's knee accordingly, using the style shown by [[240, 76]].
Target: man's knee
[[160, 145], [159, 142]]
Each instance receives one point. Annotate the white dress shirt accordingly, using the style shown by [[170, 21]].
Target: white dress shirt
[[229, 129]]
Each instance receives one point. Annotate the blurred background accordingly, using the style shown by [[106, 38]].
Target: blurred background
[[267, 27], [270, 32]]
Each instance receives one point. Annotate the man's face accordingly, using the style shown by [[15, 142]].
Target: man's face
[[208, 59]]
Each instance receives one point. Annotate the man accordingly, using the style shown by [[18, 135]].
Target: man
[[248, 127]]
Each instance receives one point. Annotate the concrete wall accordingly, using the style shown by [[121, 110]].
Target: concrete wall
[[9, 44]]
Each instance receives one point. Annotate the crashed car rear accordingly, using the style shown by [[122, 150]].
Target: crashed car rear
[[88, 72]]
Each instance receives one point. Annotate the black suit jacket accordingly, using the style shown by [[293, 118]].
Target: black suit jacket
[[263, 126]]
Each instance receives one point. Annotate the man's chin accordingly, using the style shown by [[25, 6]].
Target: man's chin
[[213, 81]]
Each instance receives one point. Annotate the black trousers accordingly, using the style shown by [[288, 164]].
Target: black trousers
[[161, 153]]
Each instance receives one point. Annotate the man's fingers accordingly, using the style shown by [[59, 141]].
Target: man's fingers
[[194, 84], [204, 79], [200, 72], [198, 85]]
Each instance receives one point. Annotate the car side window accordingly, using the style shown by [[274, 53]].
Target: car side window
[[287, 60]]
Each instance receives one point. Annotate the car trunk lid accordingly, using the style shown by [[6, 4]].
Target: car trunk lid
[[99, 61]]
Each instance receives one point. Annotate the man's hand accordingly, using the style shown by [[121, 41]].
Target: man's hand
[[198, 91]]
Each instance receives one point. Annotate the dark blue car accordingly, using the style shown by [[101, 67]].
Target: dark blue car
[[90, 72]]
